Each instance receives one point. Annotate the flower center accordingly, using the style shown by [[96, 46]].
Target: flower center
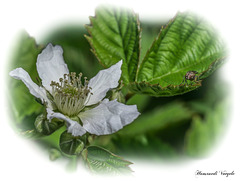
[[71, 95]]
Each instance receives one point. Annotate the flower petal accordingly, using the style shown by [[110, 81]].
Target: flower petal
[[73, 127], [108, 117], [34, 89], [51, 65], [103, 81]]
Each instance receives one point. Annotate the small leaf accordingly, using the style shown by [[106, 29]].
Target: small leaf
[[100, 160], [44, 126], [70, 144], [115, 35]]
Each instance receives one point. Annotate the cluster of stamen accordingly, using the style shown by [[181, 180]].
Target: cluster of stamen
[[69, 94]]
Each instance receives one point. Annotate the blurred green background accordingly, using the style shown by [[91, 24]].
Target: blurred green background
[[188, 125]]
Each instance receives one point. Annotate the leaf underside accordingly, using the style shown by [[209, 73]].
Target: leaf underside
[[186, 43], [100, 160]]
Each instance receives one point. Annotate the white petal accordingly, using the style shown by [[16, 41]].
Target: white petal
[[108, 117], [73, 127], [34, 89], [51, 65], [103, 81]]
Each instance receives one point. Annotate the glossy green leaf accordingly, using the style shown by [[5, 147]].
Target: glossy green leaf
[[115, 35], [44, 126], [71, 145], [24, 55], [100, 160]]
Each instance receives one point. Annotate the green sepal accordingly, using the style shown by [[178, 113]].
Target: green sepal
[[100, 160], [46, 127], [71, 145]]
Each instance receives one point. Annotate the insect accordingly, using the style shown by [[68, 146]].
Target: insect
[[192, 76]]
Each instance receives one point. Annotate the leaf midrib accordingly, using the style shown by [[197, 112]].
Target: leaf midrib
[[185, 40], [179, 70], [140, 63], [122, 43]]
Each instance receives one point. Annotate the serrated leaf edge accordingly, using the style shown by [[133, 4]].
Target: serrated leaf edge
[[169, 87], [89, 26], [155, 39]]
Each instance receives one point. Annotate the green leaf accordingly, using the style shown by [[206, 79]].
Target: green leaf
[[186, 43], [115, 35], [71, 145], [100, 160], [24, 55], [44, 126]]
